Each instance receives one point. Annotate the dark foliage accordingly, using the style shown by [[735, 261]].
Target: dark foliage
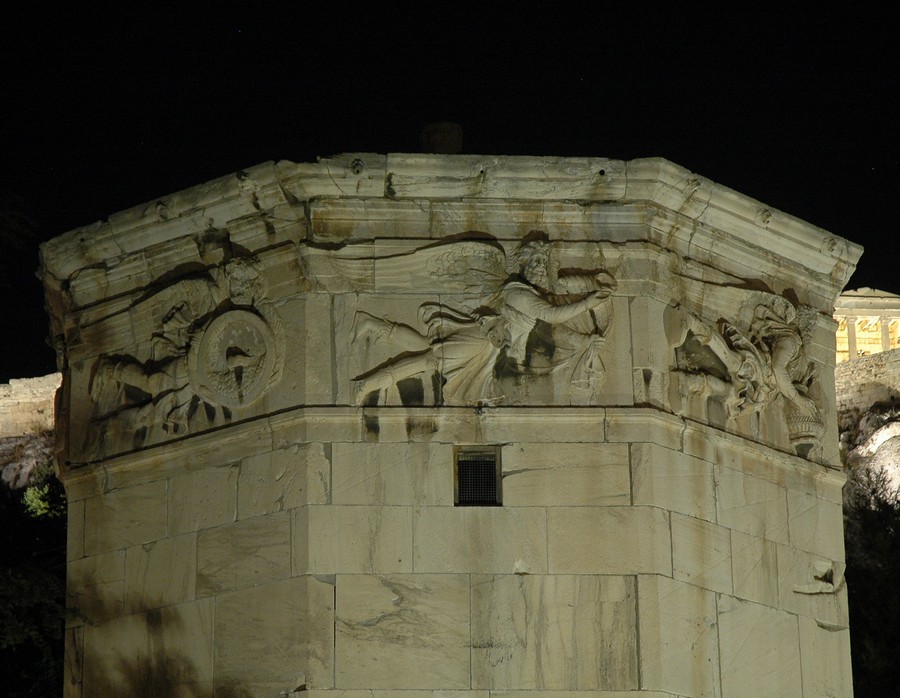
[[32, 596], [872, 539]]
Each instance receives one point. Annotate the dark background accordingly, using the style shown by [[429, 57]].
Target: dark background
[[101, 112]]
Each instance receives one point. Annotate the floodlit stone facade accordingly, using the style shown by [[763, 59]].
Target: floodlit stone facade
[[276, 385], [868, 323]]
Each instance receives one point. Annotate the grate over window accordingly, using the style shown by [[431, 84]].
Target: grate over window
[[477, 471]]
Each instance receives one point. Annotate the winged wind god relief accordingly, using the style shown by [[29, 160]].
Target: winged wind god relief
[[529, 330], [213, 349], [757, 367]]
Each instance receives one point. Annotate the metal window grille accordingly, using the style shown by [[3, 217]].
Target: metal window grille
[[477, 478]]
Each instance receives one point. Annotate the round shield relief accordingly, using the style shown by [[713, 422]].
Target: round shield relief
[[234, 360]]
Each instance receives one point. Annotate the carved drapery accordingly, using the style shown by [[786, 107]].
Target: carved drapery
[[755, 365]]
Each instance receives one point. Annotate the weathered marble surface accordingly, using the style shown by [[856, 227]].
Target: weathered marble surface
[[554, 632], [266, 376], [402, 631]]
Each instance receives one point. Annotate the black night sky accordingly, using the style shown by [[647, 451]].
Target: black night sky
[[101, 112]]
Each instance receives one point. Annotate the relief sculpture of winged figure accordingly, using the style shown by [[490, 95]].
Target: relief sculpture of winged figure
[[523, 318]]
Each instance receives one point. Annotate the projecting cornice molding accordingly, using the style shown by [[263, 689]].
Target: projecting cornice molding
[[693, 215]]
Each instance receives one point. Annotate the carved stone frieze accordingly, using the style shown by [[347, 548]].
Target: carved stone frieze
[[756, 364], [214, 349], [530, 319]]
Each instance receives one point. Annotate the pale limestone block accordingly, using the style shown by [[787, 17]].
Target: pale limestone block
[[554, 632], [798, 569], [546, 474], [609, 540], [238, 441], [581, 694], [402, 631], [754, 570], [393, 693], [825, 660], [679, 642], [480, 540], [503, 177], [161, 573], [337, 220], [759, 650], [271, 638], [352, 539], [308, 375], [75, 530], [783, 469], [95, 587], [242, 553], [513, 220], [752, 505], [202, 499], [816, 525], [701, 553], [392, 473], [651, 354], [538, 424], [125, 517], [166, 651], [283, 479], [672, 480], [644, 425]]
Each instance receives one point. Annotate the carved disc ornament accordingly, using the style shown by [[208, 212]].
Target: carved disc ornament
[[235, 360]]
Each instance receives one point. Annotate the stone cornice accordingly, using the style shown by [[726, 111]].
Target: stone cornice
[[281, 192]]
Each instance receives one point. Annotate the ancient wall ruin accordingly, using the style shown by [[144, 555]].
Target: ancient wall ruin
[[280, 387]]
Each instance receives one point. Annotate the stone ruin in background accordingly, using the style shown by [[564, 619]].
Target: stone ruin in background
[[458, 424]]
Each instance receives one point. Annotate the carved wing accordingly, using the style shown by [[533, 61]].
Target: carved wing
[[459, 266]]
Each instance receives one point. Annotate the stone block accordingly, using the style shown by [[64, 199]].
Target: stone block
[[95, 587], [759, 650], [125, 517], [480, 540], [402, 631], [202, 499], [701, 553], [799, 571], [283, 479], [392, 693], [272, 638], [816, 525], [679, 640], [163, 652], [557, 632], [609, 540], [825, 660], [161, 573], [650, 351], [75, 530], [580, 694], [352, 539], [546, 474], [243, 553], [754, 570], [392, 473], [539, 424], [751, 505], [673, 480], [644, 425]]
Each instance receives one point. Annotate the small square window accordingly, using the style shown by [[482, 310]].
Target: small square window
[[477, 476]]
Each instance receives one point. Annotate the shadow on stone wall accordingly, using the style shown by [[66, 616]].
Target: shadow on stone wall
[[159, 653]]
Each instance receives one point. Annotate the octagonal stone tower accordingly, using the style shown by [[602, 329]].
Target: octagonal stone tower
[[416, 425]]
